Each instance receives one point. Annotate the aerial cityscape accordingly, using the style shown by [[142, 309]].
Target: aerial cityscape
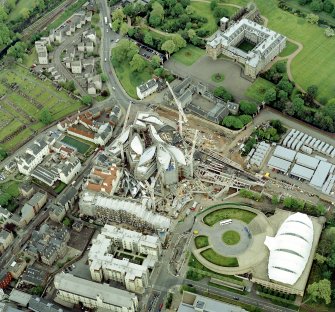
[[167, 155]]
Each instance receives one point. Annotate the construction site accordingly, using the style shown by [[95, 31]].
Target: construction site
[[162, 163]]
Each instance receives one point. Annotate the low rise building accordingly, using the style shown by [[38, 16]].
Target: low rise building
[[33, 156], [103, 266], [42, 52], [6, 238], [26, 189], [17, 267], [93, 295], [146, 89]]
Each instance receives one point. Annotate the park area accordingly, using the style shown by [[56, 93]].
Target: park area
[[258, 88], [131, 79], [23, 97], [81, 147], [188, 55], [201, 241], [314, 65], [228, 213]]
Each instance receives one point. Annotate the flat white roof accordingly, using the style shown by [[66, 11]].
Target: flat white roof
[[321, 174], [279, 164], [307, 161], [284, 153], [302, 172]]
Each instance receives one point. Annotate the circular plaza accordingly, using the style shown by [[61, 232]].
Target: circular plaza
[[230, 238]]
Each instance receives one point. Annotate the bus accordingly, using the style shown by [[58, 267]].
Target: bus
[[106, 20], [194, 206], [225, 222]]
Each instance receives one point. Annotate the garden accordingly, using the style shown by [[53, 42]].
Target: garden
[[229, 213], [81, 147], [201, 241], [27, 100], [231, 237], [217, 259]]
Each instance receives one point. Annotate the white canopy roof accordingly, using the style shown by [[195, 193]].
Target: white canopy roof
[[290, 249], [137, 145], [147, 155], [178, 154]]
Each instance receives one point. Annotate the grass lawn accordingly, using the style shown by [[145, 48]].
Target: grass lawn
[[81, 147], [315, 64], [246, 46], [22, 136], [129, 79], [215, 258], [11, 188], [289, 49], [201, 241], [218, 77], [188, 55], [258, 88], [203, 9], [60, 187], [231, 237], [229, 213]]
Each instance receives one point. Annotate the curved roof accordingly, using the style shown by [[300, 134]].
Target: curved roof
[[290, 249], [137, 145], [147, 156]]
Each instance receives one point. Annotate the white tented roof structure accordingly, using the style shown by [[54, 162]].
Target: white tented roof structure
[[279, 164], [284, 153], [290, 249]]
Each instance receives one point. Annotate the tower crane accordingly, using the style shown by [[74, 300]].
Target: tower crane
[[182, 116]]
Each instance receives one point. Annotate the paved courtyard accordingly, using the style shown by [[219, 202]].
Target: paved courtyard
[[203, 69]]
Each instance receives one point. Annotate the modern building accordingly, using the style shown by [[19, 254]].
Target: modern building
[[267, 45], [75, 290], [195, 303], [290, 249], [121, 210], [146, 89], [42, 52]]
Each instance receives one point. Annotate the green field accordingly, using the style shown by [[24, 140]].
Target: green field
[[201, 241], [203, 9], [258, 88], [231, 237], [188, 55], [228, 213], [289, 49], [18, 107], [315, 64], [81, 147], [215, 258], [129, 79]]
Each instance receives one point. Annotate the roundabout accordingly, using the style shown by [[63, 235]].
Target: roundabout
[[234, 237]]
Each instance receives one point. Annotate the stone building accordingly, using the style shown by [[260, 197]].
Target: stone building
[[264, 44]]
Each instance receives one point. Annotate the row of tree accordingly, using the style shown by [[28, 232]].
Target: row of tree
[[297, 104]]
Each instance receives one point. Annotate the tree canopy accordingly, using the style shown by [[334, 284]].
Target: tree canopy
[[248, 108], [45, 116], [320, 291], [124, 51]]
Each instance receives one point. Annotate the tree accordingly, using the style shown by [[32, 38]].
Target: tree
[[285, 84], [219, 12], [275, 200], [5, 36], [328, 6], [248, 107], [191, 33], [329, 109], [10, 5], [281, 67], [45, 116], [157, 14], [3, 154], [148, 39], [189, 10], [245, 119], [5, 198], [124, 29], [24, 14], [270, 95], [312, 18], [137, 63], [155, 61], [179, 42], [3, 15], [169, 46], [316, 6], [320, 291], [37, 290], [67, 222], [319, 258], [312, 91], [118, 15], [232, 122], [87, 100], [213, 4], [116, 25], [18, 50], [329, 32], [222, 93], [297, 107], [283, 95], [178, 10], [333, 13], [104, 77], [124, 51]]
